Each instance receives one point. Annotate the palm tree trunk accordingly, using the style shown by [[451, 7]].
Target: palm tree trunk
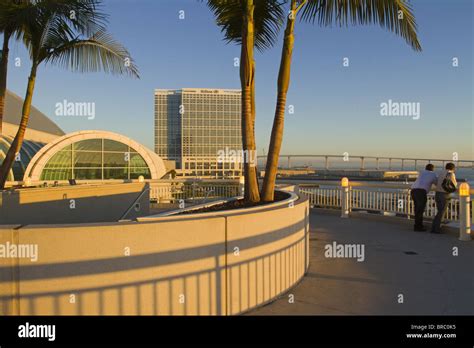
[[279, 120], [3, 76], [252, 92], [247, 70], [18, 141]]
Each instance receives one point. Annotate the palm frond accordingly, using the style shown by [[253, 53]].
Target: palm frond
[[85, 16], [100, 52], [395, 15], [54, 33], [268, 17], [14, 14]]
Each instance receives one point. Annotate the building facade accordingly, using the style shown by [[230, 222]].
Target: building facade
[[200, 129]]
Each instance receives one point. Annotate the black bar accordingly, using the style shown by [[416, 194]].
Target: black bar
[[289, 330]]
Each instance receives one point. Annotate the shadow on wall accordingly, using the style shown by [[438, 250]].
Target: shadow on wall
[[74, 204], [228, 271]]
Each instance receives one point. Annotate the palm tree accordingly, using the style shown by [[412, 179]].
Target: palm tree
[[251, 24], [3, 74], [55, 39], [394, 15], [3, 70], [8, 28], [89, 18]]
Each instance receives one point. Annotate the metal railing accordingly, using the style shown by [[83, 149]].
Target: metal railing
[[171, 191], [384, 198], [376, 198]]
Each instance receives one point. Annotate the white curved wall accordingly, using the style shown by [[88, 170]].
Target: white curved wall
[[201, 264]]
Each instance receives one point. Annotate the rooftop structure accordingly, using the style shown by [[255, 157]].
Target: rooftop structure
[[94, 155]]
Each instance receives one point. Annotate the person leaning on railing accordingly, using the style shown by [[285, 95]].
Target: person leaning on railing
[[419, 192], [446, 185]]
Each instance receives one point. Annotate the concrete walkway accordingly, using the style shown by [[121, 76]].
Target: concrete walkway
[[418, 265]]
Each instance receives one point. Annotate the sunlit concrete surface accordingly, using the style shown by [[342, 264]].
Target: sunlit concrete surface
[[432, 281], [214, 263]]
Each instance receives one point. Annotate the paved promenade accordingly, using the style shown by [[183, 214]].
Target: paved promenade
[[418, 265]]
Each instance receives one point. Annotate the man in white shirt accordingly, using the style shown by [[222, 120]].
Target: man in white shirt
[[442, 196], [419, 191]]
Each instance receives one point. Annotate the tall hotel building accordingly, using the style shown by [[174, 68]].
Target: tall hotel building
[[194, 125]]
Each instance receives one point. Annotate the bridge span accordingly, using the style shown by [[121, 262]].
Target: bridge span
[[363, 162]]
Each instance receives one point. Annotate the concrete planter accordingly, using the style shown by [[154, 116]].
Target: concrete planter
[[195, 264]]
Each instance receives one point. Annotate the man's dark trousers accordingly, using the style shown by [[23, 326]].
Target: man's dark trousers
[[419, 197], [442, 200]]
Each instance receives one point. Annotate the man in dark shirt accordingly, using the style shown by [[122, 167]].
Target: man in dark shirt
[[419, 191]]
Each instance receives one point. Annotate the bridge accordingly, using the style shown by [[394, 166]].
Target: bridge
[[377, 162]]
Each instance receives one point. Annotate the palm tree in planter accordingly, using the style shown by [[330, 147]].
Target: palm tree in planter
[[7, 29], [394, 15], [250, 23], [88, 17], [52, 38]]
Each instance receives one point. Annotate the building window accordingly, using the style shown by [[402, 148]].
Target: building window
[[96, 159]]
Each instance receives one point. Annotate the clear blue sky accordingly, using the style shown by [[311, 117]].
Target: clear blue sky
[[337, 109]]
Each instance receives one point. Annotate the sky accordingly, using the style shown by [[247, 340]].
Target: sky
[[337, 109]]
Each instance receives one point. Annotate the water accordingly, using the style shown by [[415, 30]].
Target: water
[[466, 174]]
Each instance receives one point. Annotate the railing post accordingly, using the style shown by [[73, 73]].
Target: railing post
[[242, 185], [464, 212], [326, 162], [345, 207], [362, 165], [408, 205]]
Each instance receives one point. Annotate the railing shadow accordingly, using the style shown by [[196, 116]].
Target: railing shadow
[[229, 286]]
